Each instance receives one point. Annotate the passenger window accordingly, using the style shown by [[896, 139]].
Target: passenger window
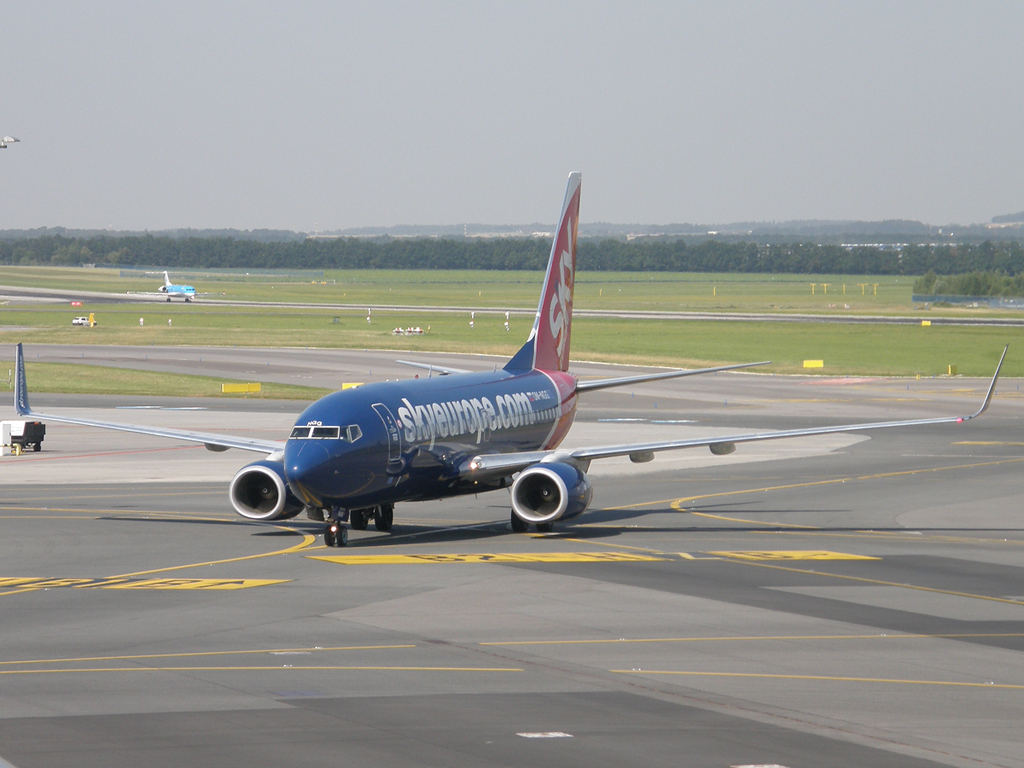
[[326, 433], [300, 433], [354, 433]]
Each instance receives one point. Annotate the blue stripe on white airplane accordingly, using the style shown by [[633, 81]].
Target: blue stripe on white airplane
[[354, 454]]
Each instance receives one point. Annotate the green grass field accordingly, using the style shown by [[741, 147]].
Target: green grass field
[[69, 378], [846, 349], [508, 290]]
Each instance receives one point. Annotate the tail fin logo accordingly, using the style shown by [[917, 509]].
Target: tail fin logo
[[560, 309], [547, 348]]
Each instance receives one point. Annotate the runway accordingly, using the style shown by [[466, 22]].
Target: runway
[[20, 294], [833, 602]]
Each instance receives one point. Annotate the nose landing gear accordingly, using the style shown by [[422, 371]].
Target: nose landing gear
[[335, 535]]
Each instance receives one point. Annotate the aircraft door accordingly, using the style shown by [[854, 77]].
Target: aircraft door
[[393, 432]]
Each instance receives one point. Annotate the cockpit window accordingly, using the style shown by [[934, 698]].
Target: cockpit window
[[349, 434]]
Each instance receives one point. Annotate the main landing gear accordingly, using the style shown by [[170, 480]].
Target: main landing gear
[[521, 526], [336, 535]]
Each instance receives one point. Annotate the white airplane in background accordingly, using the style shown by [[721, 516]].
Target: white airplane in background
[[7, 140], [169, 289]]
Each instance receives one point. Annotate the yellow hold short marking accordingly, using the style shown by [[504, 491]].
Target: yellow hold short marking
[[799, 554], [546, 557]]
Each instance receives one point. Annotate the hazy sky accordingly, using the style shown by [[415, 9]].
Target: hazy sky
[[289, 114]]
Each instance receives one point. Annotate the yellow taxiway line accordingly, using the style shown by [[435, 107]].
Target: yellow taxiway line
[[762, 638], [277, 668], [827, 678], [197, 654]]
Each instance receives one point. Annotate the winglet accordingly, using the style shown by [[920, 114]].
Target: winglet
[[20, 387], [992, 386]]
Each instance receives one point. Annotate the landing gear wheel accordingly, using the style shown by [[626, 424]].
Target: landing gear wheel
[[335, 535], [384, 517], [545, 527], [518, 524], [168, 299], [357, 518]]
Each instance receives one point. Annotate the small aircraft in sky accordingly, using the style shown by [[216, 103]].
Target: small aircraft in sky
[[169, 289], [353, 454], [7, 140]]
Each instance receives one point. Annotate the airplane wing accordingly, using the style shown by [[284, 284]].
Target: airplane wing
[[441, 370], [499, 464], [212, 441]]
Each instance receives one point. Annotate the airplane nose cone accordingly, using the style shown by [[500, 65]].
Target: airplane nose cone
[[305, 466]]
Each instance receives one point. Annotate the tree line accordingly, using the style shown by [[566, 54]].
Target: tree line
[[970, 284], [640, 255]]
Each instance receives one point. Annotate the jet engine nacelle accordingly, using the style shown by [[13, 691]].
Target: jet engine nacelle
[[163, 289], [544, 493], [259, 491]]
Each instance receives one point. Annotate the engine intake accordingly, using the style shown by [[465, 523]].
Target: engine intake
[[544, 493], [259, 491]]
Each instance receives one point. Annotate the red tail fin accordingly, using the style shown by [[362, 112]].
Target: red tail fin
[[548, 345]]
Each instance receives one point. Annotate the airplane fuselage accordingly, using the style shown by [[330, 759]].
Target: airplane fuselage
[[404, 440], [178, 290]]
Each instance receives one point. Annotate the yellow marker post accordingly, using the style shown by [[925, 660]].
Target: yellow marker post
[[952, 370], [926, 323], [814, 363], [812, 289]]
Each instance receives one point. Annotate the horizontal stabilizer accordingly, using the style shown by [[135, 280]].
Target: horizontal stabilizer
[[442, 370], [589, 386]]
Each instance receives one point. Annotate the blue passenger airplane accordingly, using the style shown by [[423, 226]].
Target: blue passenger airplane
[[354, 454]]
